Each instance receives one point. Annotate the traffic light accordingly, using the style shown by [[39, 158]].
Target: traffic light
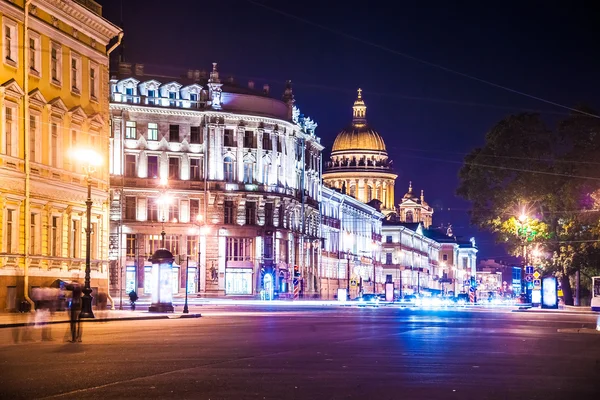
[[296, 271]]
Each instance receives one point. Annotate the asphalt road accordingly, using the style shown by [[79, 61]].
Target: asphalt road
[[318, 353]]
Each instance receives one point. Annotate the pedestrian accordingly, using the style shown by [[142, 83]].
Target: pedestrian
[[74, 311], [133, 297]]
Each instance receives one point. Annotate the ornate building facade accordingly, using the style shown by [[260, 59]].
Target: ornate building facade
[[413, 209], [351, 252], [53, 98], [226, 177], [359, 163]]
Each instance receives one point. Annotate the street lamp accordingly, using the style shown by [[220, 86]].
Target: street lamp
[[164, 200], [91, 160]]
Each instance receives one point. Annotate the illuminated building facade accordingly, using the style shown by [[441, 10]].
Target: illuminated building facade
[[53, 98], [411, 259], [230, 174], [351, 232]]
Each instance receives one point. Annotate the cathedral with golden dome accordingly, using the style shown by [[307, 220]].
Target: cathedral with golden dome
[[361, 168], [359, 163]]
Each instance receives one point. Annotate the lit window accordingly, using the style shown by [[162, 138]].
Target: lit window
[[130, 130], [152, 131]]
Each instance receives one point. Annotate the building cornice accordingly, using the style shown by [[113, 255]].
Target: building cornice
[[80, 17]]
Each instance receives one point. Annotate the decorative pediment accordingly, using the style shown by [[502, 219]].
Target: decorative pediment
[[172, 86], [152, 84], [96, 121], [78, 116], [36, 98], [12, 89], [128, 82], [193, 88], [57, 107]]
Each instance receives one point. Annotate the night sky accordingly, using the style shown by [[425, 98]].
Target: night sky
[[429, 117]]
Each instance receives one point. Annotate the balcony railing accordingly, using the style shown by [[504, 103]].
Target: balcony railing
[[156, 101]]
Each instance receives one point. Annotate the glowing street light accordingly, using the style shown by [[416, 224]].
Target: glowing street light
[[90, 160]]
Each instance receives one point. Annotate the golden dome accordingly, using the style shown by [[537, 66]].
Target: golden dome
[[359, 136]]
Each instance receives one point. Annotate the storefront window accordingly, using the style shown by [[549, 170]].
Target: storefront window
[[238, 281]]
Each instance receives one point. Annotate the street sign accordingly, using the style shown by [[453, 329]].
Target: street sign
[[529, 269], [536, 275], [537, 282], [529, 278]]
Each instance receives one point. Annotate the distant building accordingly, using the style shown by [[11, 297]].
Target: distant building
[[53, 98], [351, 255], [230, 174]]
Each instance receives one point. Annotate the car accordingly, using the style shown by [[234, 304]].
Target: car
[[368, 299]]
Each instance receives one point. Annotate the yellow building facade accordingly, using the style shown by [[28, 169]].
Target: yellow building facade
[[53, 99]]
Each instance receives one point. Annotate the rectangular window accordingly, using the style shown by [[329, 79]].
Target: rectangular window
[[238, 249], [33, 137], [228, 217], [75, 73], [174, 212], [151, 96], [75, 239], [130, 245], [194, 209], [56, 63], [192, 246], [173, 133], [94, 81], [152, 131], [130, 165], [251, 213], [465, 262], [249, 139], [10, 227], [172, 97], [33, 237], [173, 168], [195, 136], [268, 248], [130, 130], [278, 140], [195, 169], [269, 214], [55, 237], [35, 54], [130, 207], [11, 45], [266, 141], [152, 209], [152, 166], [248, 172], [228, 138], [10, 127], [54, 144], [388, 258], [193, 100], [388, 239]]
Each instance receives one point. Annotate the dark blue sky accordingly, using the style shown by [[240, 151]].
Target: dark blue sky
[[429, 118]]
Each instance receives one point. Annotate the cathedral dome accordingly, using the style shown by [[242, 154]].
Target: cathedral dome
[[359, 136]]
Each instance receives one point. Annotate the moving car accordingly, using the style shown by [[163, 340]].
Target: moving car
[[369, 299]]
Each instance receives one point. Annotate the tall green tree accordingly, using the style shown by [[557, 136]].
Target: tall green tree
[[550, 175]]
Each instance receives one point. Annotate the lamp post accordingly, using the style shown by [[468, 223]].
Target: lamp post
[[187, 266], [202, 231], [91, 160]]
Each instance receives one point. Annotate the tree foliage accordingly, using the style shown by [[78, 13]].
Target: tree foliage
[[552, 175]]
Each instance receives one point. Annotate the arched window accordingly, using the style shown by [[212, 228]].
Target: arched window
[[369, 193], [228, 169], [248, 171], [409, 216]]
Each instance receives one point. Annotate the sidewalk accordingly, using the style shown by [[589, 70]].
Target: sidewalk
[[9, 320], [583, 310]]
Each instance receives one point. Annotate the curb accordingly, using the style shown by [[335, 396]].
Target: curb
[[579, 330], [572, 312], [139, 318]]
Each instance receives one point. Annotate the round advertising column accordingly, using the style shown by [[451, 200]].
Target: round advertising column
[[162, 274]]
